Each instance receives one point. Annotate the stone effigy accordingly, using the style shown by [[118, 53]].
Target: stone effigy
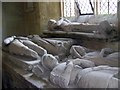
[[113, 56], [77, 51], [45, 66], [105, 30], [59, 25], [103, 53], [61, 74], [83, 63], [106, 56], [52, 24], [54, 46], [18, 48], [101, 30], [58, 47], [8, 40], [64, 74], [98, 77], [23, 46], [77, 71], [41, 51]]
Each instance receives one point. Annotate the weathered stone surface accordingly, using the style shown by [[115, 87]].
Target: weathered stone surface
[[49, 61], [41, 51], [54, 46], [60, 75], [16, 47], [76, 72], [77, 51], [9, 40], [83, 63], [97, 77]]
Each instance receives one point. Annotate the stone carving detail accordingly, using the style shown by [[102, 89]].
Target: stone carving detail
[[41, 51], [78, 70], [18, 48]]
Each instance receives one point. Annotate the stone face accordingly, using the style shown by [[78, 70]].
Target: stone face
[[16, 47], [51, 24]]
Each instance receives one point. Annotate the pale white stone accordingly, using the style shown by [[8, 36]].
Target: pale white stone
[[38, 70], [49, 61], [77, 51], [52, 24], [16, 47], [8, 40], [113, 56], [46, 65], [22, 62], [97, 77], [91, 55], [41, 51], [106, 56], [57, 47], [114, 83], [63, 22], [75, 71], [106, 51], [60, 75], [83, 63]]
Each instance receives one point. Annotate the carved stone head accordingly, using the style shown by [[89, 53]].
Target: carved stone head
[[49, 61]]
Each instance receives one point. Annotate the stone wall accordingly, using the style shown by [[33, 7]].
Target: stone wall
[[36, 19], [12, 19], [31, 18], [48, 10], [19, 19], [23, 19]]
